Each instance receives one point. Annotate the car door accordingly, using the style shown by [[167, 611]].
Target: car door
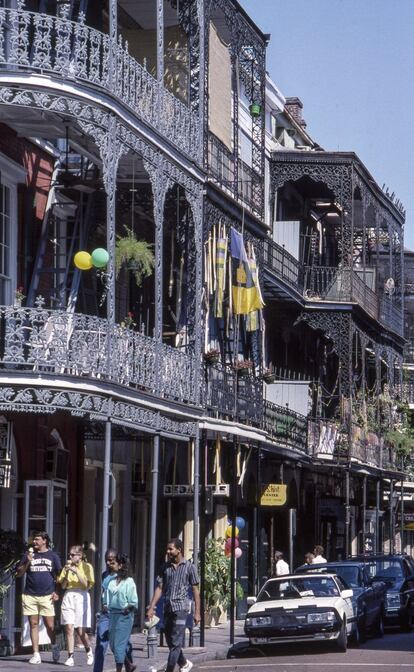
[[408, 588], [368, 597], [373, 597], [348, 606]]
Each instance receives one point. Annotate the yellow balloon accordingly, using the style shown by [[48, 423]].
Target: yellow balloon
[[83, 261], [228, 531]]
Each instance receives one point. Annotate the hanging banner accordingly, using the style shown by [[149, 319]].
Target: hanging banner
[[273, 494]]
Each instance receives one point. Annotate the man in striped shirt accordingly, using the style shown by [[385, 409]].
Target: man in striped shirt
[[173, 583]]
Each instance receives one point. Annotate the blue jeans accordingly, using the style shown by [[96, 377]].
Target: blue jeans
[[102, 643], [174, 628]]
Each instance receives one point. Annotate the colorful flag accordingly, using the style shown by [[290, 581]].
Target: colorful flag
[[221, 258], [245, 293]]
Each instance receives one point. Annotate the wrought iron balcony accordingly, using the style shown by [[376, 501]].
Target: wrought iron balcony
[[326, 442], [234, 397], [73, 51], [286, 427], [52, 341], [282, 264], [327, 283]]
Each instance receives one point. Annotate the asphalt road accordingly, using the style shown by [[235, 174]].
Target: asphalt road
[[392, 653]]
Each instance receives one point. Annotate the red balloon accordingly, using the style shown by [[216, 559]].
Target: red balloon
[[227, 545]]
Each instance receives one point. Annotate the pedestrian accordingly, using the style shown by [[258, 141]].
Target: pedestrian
[[76, 579], [120, 599], [41, 566], [309, 558], [173, 582], [318, 552], [282, 566], [102, 627]]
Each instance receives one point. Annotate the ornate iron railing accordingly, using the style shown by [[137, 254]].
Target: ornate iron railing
[[234, 397], [391, 315], [71, 50], [249, 191], [286, 427], [283, 264], [220, 162], [326, 441], [54, 341], [329, 283]]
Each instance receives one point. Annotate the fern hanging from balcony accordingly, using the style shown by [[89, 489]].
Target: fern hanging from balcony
[[134, 255]]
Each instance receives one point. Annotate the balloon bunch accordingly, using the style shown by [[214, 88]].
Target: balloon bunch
[[240, 524], [85, 261]]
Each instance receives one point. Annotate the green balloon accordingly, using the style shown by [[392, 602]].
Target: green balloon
[[100, 257]]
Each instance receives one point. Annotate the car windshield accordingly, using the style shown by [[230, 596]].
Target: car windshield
[[386, 569], [310, 586], [350, 575]]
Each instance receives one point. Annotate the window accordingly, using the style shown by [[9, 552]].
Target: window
[[5, 256], [11, 173]]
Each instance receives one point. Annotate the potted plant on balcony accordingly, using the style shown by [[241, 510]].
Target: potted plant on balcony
[[217, 581], [243, 366], [18, 297], [134, 255], [212, 356], [269, 375]]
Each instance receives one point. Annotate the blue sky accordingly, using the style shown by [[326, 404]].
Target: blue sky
[[352, 64]]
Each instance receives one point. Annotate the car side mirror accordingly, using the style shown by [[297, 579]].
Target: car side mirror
[[251, 600], [347, 593]]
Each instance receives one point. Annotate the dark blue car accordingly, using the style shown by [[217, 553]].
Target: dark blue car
[[369, 594]]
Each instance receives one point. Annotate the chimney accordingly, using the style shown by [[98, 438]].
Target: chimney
[[294, 106]]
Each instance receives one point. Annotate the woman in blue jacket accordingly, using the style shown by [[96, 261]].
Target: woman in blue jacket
[[121, 600]]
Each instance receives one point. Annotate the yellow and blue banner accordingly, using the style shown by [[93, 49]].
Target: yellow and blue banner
[[245, 290]]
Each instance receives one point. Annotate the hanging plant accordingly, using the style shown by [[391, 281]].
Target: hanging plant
[[134, 255]]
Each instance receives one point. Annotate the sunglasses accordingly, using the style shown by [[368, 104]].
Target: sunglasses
[[73, 555]]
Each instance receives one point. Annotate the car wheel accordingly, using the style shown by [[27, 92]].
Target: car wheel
[[342, 641], [379, 629], [362, 628], [405, 623], [356, 635]]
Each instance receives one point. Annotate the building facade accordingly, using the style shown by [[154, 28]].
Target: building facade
[[145, 400]]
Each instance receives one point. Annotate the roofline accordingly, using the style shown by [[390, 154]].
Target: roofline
[[265, 37]]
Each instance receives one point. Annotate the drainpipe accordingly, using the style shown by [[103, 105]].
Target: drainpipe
[[347, 516], [377, 517], [391, 514], [152, 637], [402, 515], [105, 504], [364, 509]]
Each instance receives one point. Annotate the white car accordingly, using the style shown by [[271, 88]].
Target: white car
[[301, 608]]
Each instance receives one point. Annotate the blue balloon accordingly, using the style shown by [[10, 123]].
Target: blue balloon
[[240, 523]]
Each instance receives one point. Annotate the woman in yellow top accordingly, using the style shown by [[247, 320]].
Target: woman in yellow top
[[76, 578]]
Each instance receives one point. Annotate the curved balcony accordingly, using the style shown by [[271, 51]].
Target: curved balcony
[[69, 50], [39, 340], [286, 427]]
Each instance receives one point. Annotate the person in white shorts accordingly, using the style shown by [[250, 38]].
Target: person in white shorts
[[76, 578]]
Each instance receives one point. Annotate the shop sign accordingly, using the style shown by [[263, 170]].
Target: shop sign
[[222, 490], [273, 494], [408, 521]]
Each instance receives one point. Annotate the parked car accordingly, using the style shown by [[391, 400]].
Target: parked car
[[369, 594], [301, 608], [397, 572]]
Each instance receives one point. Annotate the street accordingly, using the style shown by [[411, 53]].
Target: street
[[394, 652]]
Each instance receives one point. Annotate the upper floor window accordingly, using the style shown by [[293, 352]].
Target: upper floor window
[[5, 251], [11, 173]]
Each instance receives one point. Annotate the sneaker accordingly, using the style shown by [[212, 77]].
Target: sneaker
[[69, 662], [35, 659], [55, 653], [187, 667], [89, 657]]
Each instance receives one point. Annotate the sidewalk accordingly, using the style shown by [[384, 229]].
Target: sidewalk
[[216, 646]]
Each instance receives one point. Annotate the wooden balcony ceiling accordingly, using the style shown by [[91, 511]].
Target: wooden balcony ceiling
[[33, 123], [142, 14]]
